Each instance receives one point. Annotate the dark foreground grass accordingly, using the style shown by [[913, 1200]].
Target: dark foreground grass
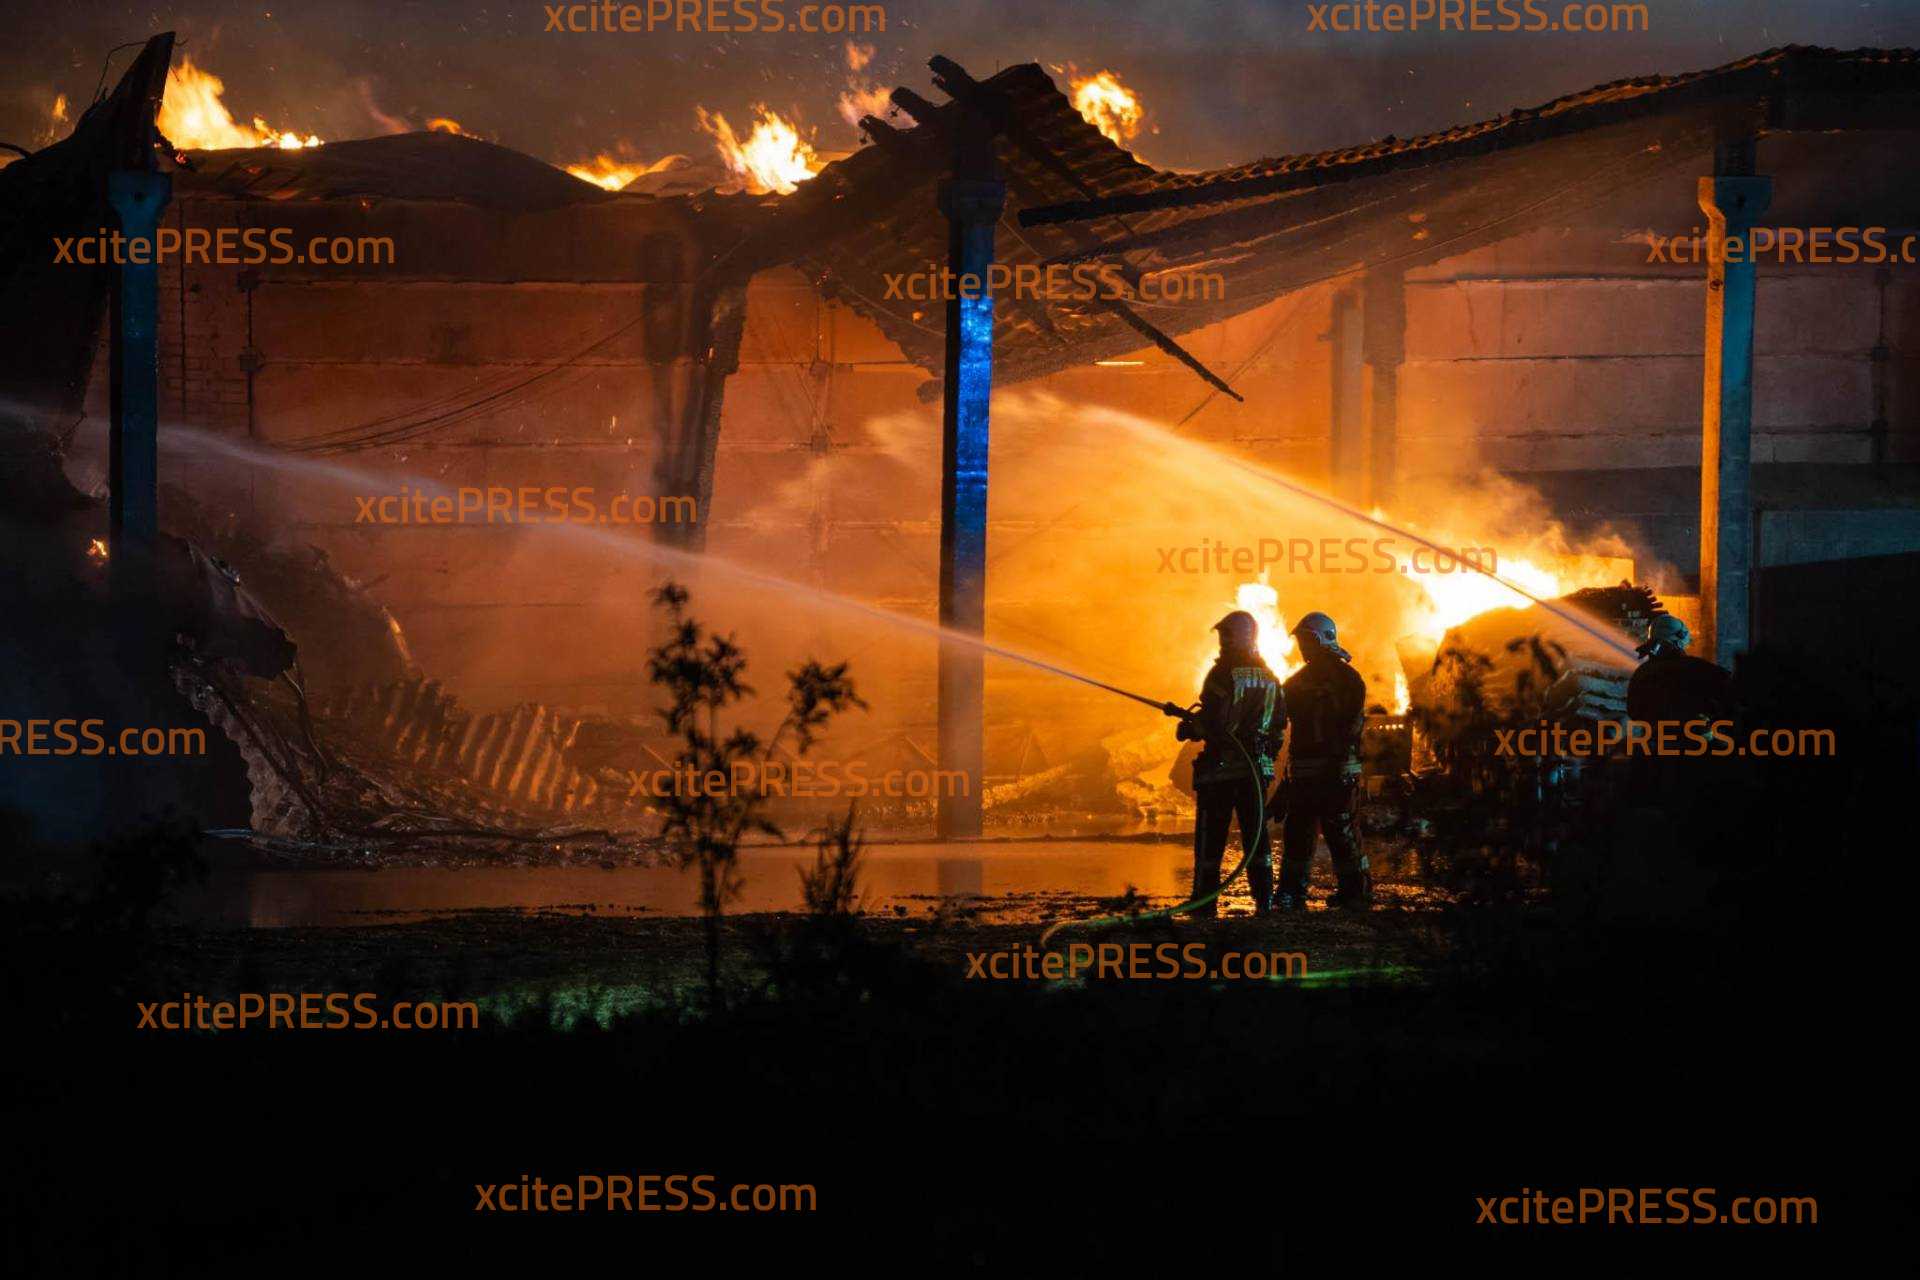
[[1689, 996], [948, 1124]]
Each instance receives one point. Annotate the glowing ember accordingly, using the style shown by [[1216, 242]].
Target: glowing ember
[[1108, 105], [862, 98], [605, 171], [774, 156], [97, 549], [194, 119]]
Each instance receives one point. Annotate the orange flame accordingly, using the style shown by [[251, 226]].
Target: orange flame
[[97, 549], [1451, 598], [1108, 105], [605, 171], [58, 119], [774, 156], [1454, 597], [440, 124], [194, 119]]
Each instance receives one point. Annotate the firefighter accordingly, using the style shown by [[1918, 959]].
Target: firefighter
[[1672, 684], [1326, 700], [1240, 703], [1674, 688]]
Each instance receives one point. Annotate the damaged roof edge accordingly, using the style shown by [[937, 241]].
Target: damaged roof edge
[[1766, 85]]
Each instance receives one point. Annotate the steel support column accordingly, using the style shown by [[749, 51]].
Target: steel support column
[[133, 441], [972, 201], [1733, 199]]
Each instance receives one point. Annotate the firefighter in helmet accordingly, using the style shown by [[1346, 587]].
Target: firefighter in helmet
[[1672, 684], [1326, 702], [1242, 719]]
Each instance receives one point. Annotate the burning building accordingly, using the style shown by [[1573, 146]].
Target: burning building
[[1478, 338]]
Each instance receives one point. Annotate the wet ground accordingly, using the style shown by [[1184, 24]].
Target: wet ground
[[1022, 876], [1004, 880], [626, 935]]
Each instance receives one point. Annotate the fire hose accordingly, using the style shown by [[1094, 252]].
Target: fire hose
[[1247, 843]]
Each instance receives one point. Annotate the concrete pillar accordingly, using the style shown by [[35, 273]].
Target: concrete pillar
[[721, 320], [1347, 459], [972, 201], [133, 469], [1733, 199], [1385, 344]]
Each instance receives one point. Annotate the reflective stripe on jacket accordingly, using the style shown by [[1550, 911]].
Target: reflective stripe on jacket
[[1239, 700]]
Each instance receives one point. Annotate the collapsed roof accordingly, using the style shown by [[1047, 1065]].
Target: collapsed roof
[[1268, 227], [1276, 225]]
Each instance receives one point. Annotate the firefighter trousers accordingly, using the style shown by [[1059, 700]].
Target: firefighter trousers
[[1219, 804]]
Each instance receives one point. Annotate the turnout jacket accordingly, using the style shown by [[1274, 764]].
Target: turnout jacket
[[1677, 686], [1328, 702], [1240, 699]]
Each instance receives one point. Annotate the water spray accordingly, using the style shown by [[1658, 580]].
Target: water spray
[[671, 555], [1570, 616]]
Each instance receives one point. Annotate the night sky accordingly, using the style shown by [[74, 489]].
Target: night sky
[[1223, 81]]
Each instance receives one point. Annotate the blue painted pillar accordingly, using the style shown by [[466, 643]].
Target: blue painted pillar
[[972, 206], [133, 442], [1733, 200]]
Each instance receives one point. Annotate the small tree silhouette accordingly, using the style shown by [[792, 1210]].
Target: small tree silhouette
[[831, 887], [702, 674]]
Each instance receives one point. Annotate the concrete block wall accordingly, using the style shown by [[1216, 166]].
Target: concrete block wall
[[1559, 351], [1538, 369], [473, 305], [204, 337]]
